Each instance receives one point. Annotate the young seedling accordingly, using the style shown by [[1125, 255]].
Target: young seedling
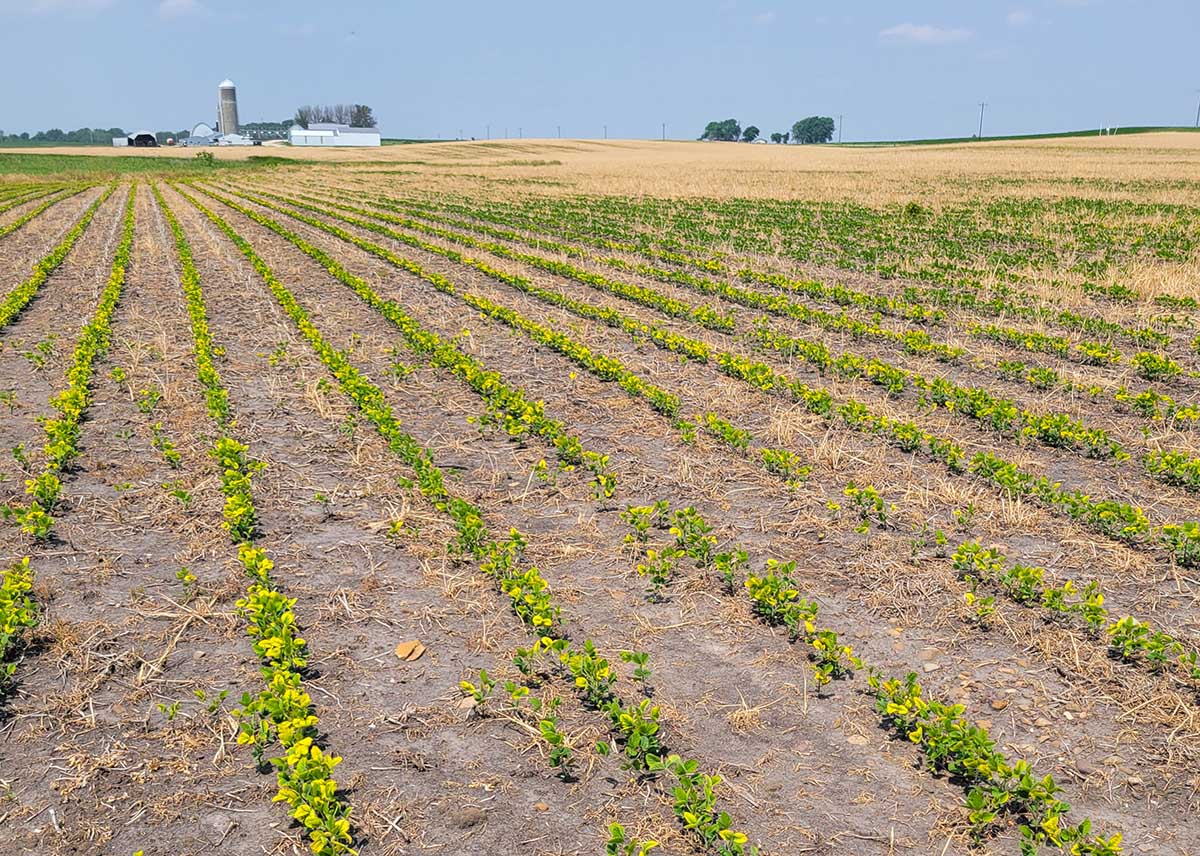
[[40, 353], [639, 659], [620, 844], [729, 564], [176, 489], [212, 702], [22, 459], [148, 400], [658, 568], [692, 536], [984, 606], [480, 692]]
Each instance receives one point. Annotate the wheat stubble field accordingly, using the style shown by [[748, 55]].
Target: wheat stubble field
[[568, 498]]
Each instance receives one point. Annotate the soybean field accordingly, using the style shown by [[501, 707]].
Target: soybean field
[[579, 498]]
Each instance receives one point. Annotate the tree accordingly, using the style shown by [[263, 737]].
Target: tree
[[750, 134], [362, 117], [814, 129], [303, 116], [776, 137], [726, 131]]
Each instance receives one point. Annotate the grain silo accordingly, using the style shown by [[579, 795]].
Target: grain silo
[[227, 118]]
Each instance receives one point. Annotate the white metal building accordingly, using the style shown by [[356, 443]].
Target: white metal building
[[328, 134]]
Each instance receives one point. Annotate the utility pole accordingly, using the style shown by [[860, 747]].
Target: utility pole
[[1198, 114], [839, 129], [559, 127], [982, 105], [520, 133], [489, 131], [606, 132], [664, 132]]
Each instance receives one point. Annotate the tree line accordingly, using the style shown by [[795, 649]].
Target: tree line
[[813, 129], [104, 136], [99, 136], [354, 115]]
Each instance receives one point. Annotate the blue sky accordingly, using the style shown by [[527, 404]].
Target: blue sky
[[893, 69]]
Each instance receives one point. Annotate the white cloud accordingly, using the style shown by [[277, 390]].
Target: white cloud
[[924, 34], [179, 8], [1019, 17]]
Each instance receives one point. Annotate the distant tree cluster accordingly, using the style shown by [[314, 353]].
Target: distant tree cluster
[[100, 136], [355, 115], [814, 129]]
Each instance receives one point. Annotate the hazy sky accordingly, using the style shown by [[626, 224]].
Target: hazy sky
[[429, 69]]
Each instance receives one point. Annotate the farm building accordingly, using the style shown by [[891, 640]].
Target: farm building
[[328, 134], [140, 139], [202, 135]]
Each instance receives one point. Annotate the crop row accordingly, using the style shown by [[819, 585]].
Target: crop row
[[1000, 414], [1091, 353], [657, 567], [635, 727], [591, 225], [1148, 365], [10, 199], [506, 405], [912, 341], [837, 294], [960, 248], [283, 710], [996, 786], [62, 431], [1129, 638], [54, 198], [778, 461], [18, 615], [1115, 519], [774, 597], [17, 299]]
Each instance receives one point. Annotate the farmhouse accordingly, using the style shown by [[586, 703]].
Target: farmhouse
[[328, 134]]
